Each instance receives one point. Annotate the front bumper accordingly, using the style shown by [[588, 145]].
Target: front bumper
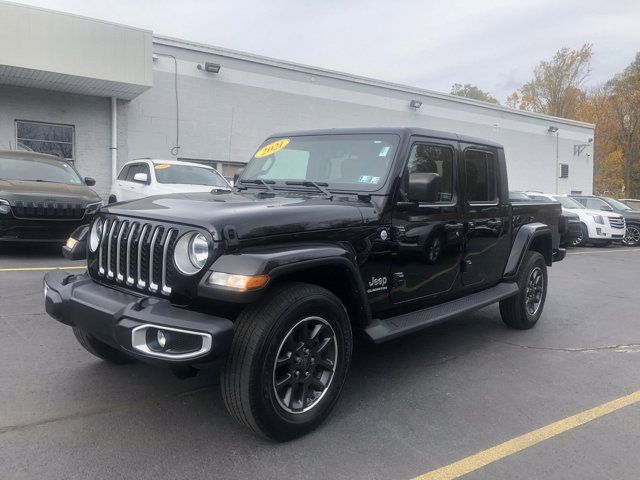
[[605, 232], [114, 317], [38, 230]]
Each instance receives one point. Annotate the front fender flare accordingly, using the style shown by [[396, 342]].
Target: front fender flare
[[280, 261]]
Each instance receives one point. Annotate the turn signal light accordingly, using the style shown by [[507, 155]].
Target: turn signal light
[[237, 282]]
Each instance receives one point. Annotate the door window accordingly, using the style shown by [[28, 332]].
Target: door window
[[481, 172], [432, 159], [136, 168], [123, 173]]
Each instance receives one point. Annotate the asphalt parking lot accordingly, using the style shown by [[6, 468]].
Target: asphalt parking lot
[[410, 407]]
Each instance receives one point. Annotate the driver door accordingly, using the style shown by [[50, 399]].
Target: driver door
[[428, 246]]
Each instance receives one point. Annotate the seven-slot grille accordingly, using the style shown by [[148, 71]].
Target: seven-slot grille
[[616, 222], [59, 210], [137, 255]]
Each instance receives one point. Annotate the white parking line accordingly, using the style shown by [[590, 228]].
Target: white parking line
[[610, 250]]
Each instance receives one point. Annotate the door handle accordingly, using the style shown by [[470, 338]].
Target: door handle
[[451, 227]]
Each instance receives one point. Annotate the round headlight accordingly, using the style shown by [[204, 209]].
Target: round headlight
[[191, 253], [95, 235], [198, 250]]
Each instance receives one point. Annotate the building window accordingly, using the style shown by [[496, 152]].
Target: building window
[[48, 138], [564, 170]]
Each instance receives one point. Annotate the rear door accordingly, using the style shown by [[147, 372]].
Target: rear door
[[428, 236], [486, 216]]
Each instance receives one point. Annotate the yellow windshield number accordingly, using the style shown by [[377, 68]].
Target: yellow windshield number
[[272, 148]]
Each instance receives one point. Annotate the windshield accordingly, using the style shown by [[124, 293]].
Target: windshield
[[189, 174], [38, 169], [617, 205], [569, 203], [358, 162]]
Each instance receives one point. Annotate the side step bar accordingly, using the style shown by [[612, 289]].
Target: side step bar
[[382, 330]]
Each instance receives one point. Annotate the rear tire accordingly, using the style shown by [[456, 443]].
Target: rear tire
[[288, 361], [100, 349], [523, 310]]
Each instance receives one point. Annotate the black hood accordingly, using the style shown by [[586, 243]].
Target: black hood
[[50, 192], [252, 214]]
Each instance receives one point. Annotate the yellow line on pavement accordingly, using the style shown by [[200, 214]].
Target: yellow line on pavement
[[618, 250], [39, 269], [515, 445]]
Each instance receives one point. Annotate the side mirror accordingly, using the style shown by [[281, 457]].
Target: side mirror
[[236, 175], [424, 187], [141, 177], [606, 208], [76, 246], [89, 182]]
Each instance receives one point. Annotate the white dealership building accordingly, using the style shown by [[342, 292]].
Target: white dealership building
[[101, 94]]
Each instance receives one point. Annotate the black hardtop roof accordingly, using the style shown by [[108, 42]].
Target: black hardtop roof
[[402, 131]]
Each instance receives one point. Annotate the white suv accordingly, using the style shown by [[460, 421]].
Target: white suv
[[146, 177], [598, 227]]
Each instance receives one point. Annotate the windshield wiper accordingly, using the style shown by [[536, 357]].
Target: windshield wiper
[[318, 185], [258, 181]]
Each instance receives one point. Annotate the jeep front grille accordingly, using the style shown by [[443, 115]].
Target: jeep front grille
[[617, 222], [48, 210], [137, 255]]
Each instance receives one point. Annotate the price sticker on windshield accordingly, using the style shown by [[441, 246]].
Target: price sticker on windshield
[[162, 166], [272, 148]]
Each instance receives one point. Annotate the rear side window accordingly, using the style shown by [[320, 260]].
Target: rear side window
[[481, 172], [595, 203]]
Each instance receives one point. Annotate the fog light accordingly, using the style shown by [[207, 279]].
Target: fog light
[[162, 340]]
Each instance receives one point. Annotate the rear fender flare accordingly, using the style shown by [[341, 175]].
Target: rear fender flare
[[524, 239]]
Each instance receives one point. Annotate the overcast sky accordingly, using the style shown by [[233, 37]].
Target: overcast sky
[[494, 44]]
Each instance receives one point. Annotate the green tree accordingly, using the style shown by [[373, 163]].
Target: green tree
[[556, 87], [471, 91]]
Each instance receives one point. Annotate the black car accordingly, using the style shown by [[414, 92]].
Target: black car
[[327, 234], [573, 228], [607, 204], [42, 198]]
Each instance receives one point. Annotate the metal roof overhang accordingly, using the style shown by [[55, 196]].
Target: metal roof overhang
[[31, 78]]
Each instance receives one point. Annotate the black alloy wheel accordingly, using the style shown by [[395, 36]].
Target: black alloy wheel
[[305, 365]]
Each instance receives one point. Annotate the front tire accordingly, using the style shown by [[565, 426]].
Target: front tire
[[582, 239], [100, 349], [288, 361], [632, 236], [523, 310]]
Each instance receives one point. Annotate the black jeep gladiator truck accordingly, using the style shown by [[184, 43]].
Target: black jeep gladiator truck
[[328, 234]]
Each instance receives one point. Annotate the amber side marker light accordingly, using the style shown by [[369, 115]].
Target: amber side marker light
[[238, 282], [71, 242]]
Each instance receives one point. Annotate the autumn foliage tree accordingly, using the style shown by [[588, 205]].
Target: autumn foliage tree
[[556, 87], [471, 91]]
